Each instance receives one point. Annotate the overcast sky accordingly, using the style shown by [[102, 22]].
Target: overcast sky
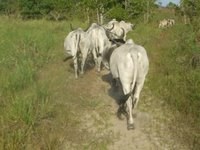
[[165, 2]]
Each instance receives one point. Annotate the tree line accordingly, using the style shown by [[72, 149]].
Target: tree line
[[94, 9], [86, 9]]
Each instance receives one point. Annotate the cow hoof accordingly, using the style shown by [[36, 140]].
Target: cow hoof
[[131, 126], [119, 115]]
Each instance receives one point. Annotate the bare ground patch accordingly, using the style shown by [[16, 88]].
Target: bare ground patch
[[86, 114]]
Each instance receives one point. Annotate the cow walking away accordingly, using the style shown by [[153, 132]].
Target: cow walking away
[[101, 40], [77, 41], [129, 65]]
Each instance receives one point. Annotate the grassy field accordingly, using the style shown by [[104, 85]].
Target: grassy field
[[41, 102], [43, 106]]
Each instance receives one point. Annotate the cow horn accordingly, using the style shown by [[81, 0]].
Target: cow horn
[[111, 27]]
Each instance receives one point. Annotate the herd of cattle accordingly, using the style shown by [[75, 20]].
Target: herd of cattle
[[166, 23], [128, 62]]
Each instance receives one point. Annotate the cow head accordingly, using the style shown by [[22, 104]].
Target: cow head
[[111, 25], [127, 26], [115, 38]]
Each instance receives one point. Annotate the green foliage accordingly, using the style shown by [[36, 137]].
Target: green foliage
[[63, 9], [117, 12], [137, 7], [30, 8], [171, 5], [9, 7], [176, 81]]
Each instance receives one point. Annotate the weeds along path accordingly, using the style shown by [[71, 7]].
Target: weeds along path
[[84, 114]]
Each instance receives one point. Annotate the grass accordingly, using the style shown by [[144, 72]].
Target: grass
[[36, 111], [171, 78], [43, 106]]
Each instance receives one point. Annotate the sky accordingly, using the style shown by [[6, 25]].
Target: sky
[[165, 2]]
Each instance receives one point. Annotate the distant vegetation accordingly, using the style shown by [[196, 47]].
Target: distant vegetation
[[28, 46], [85, 9]]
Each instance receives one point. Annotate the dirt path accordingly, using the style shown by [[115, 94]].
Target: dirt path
[[127, 139], [152, 131]]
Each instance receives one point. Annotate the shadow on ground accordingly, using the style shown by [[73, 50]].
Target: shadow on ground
[[89, 64], [116, 93]]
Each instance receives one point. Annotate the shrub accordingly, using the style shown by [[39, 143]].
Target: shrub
[[118, 13]]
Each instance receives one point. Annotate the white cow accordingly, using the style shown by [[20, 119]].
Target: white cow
[[170, 22], [163, 23], [119, 28], [110, 24], [100, 41], [75, 42], [166, 23], [129, 64]]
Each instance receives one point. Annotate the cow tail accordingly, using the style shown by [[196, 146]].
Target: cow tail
[[78, 38], [135, 59]]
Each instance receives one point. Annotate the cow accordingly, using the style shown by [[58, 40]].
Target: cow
[[129, 65], [163, 23], [166, 23], [77, 41], [119, 28], [100, 41], [110, 24], [170, 22]]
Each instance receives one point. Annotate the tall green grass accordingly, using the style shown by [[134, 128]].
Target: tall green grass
[[25, 47], [179, 79], [171, 76], [37, 108]]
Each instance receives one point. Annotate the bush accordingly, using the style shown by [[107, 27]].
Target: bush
[[118, 13]]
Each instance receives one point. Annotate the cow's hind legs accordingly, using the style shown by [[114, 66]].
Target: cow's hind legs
[[75, 66], [130, 116], [136, 95], [99, 60], [94, 53], [122, 110], [83, 64]]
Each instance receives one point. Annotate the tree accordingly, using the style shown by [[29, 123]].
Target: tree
[[29, 8], [138, 8], [190, 10], [98, 7], [9, 7], [59, 8], [171, 5]]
